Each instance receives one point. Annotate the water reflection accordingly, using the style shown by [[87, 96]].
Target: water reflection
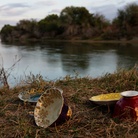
[[55, 59]]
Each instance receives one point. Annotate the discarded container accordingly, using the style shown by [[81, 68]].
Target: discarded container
[[32, 95], [106, 99], [51, 109], [127, 106]]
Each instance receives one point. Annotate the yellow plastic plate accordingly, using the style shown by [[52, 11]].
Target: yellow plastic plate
[[109, 98]]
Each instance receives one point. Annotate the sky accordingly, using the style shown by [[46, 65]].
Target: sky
[[12, 11]]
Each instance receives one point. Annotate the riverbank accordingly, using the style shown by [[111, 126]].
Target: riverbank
[[76, 40], [124, 41], [88, 119]]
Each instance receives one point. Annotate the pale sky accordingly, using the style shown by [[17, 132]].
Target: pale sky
[[12, 11]]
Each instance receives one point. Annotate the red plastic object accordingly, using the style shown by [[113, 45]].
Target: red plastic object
[[127, 106]]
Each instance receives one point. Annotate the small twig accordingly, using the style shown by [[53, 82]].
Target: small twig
[[57, 130], [4, 74], [36, 134]]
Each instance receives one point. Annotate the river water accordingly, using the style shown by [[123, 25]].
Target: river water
[[55, 60]]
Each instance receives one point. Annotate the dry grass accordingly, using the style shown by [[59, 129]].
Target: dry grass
[[88, 120]]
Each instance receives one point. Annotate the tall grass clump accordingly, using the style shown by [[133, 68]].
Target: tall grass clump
[[121, 80], [4, 78]]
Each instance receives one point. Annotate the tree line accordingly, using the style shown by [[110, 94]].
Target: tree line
[[75, 23]]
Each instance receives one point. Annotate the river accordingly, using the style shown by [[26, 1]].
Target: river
[[55, 60]]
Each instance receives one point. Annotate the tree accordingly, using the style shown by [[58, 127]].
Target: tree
[[6, 32], [100, 21], [127, 20], [132, 14], [76, 21], [52, 18], [75, 15], [27, 25], [49, 24]]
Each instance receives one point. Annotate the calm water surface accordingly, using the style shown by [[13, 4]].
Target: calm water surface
[[54, 60]]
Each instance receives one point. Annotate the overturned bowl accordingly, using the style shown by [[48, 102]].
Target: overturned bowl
[[27, 97], [32, 95], [51, 109]]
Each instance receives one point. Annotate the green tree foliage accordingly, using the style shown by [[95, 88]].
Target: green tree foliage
[[27, 29], [6, 29], [6, 32], [52, 18], [27, 26], [132, 14], [49, 24], [76, 23], [72, 22], [100, 21], [127, 20], [75, 15]]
